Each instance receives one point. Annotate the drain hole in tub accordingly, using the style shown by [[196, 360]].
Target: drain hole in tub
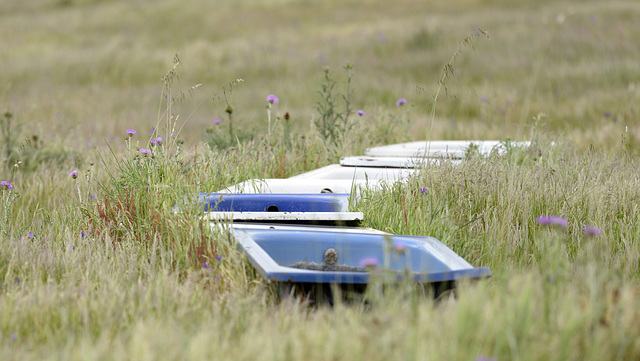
[[326, 190], [272, 208]]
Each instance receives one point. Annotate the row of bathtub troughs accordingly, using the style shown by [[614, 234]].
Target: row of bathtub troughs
[[299, 233]]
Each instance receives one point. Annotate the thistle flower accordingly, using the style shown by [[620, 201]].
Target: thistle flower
[[423, 190], [145, 151], [272, 99], [552, 220], [369, 262], [131, 132], [591, 230], [159, 140], [361, 113], [399, 246], [217, 121], [401, 101], [6, 185], [74, 174]]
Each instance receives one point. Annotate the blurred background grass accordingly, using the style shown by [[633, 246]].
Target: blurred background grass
[[77, 73]]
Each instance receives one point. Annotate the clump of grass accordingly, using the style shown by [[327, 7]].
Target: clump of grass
[[333, 120]]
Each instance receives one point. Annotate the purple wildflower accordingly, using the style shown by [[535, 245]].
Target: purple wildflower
[[559, 221], [32, 235], [218, 257], [369, 262], [6, 185], [217, 121], [204, 265], [544, 220], [152, 142], [361, 113], [131, 132], [401, 101], [484, 99], [81, 234], [399, 246], [607, 114], [14, 336], [272, 99], [591, 230], [145, 151], [74, 174], [93, 196], [552, 220], [423, 190], [159, 140]]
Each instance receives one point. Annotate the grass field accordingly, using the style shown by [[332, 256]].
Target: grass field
[[97, 265]]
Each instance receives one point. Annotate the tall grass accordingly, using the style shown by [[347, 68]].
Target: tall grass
[[100, 266]]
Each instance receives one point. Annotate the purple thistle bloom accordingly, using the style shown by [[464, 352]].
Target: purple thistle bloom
[[559, 221], [361, 113], [74, 174], [159, 140], [272, 99], [81, 234], [544, 220], [217, 121], [131, 132], [401, 101], [204, 265], [93, 196], [591, 230], [423, 190], [552, 220], [145, 151], [152, 141], [31, 235], [399, 246], [369, 262], [6, 184], [219, 258], [484, 99]]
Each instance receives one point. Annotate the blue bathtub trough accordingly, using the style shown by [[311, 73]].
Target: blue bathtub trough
[[335, 255]]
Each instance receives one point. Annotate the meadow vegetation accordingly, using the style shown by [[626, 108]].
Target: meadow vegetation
[[114, 112]]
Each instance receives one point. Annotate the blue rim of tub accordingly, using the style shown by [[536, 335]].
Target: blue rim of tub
[[274, 202]]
